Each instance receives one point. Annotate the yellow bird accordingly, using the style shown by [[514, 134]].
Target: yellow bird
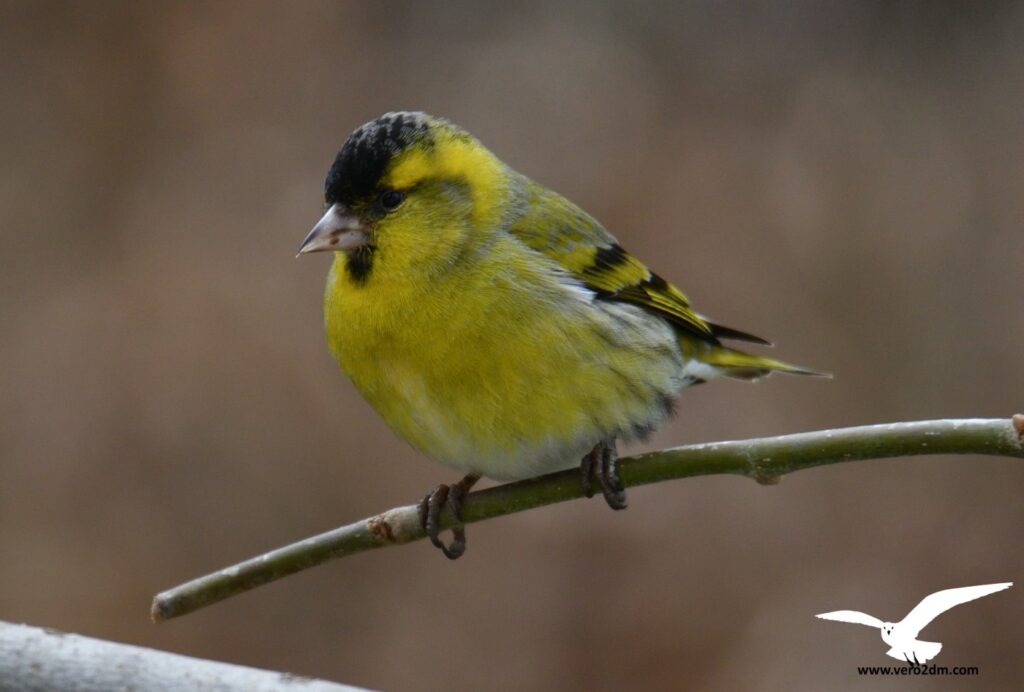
[[495, 325]]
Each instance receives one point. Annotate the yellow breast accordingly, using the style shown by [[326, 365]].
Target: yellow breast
[[503, 367]]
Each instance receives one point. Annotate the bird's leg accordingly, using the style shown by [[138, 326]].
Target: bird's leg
[[433, 504], [591, 460], [611, 485], [600, 465]]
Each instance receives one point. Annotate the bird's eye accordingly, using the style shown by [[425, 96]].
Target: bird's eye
[[391, 199]]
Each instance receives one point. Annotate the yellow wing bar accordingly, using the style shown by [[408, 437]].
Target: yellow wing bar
[[616, 274]]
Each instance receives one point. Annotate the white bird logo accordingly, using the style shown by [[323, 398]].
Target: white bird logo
[[902, 636]]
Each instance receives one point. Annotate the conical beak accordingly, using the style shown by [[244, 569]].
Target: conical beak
[[339, 229]]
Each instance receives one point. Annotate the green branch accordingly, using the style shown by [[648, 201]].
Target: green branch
[[764, 460]]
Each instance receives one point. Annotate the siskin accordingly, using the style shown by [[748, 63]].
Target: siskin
[[495, 325]]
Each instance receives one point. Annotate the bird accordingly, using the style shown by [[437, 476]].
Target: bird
[[494, 325], [902, 636]]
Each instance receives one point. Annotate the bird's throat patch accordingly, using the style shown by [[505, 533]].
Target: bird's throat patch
[[359, 263]]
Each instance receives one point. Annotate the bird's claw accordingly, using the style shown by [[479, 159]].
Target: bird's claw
[[600, 465], [431, 506], [587, 472]]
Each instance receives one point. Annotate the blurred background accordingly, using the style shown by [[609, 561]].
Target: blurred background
[[846, 178]]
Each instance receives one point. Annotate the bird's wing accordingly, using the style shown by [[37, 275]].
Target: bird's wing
[[557, 228], [939, 602], [854, 616]]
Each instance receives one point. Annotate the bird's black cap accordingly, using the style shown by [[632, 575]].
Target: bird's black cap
[[359, 165]]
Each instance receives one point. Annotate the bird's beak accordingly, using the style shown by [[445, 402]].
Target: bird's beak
[[339, 229]]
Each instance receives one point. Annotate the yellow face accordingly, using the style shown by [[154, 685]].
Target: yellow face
[[407, 197], [451, 199]]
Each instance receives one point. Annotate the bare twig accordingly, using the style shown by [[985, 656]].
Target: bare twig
[[32, 658], [764, 460]]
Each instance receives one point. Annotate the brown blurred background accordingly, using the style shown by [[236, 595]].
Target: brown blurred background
[[846, 178]]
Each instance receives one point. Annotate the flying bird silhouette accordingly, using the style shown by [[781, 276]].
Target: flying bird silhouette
[[902, 636]]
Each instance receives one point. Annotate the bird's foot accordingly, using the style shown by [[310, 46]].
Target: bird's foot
[[600, 465], [433, 504]]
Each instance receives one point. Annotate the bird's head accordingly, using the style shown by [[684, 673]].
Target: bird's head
[[407, 194], [887, 628]]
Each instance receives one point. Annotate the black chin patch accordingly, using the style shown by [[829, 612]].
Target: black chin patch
[[358, 167], [359, 263]]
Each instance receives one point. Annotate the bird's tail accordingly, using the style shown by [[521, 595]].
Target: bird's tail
[[926, 651], [915, 652], [747, 366]]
